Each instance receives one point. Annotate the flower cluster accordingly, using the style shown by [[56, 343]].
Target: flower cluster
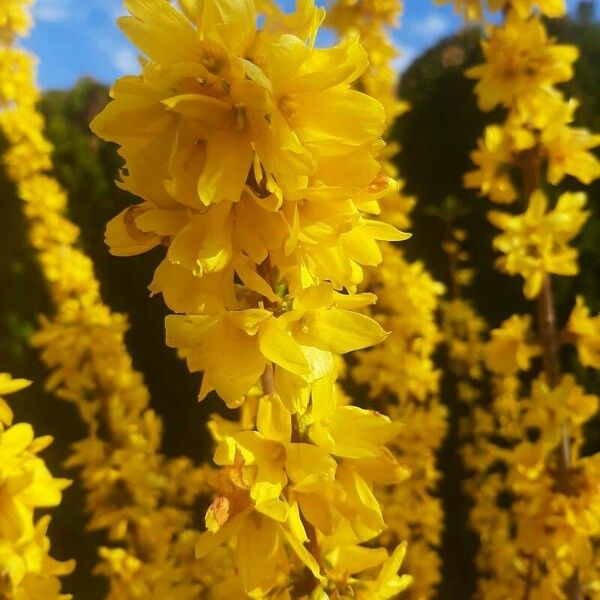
[[371, 20], [400, 374], [533, 517], [474, 9], [583, 331], [536, 242], [137, 495], [403, 381], [26, 568], [535, 495], [14, 19], [522, 67], [257, 165]]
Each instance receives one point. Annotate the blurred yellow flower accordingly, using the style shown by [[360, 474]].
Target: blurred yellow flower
[[537, 242], [510, 350], [584, 332], [522, 66], [8, 385]]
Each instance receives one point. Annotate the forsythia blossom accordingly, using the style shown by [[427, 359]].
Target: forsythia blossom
[[536, 242], [474, 9], [583, 331], [26, 568], [534, 493], [400, 372], [257, 165], [509, 350], [137, 495], [522, 66], [14, 19]]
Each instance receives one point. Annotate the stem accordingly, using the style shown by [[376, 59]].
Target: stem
[[269, 386], [268, 380], [550, 341], [529, 579], [551, 357], [548, 330], [573, 588]]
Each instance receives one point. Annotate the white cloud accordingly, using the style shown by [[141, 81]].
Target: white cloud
[[52, 11], [125, 60], [114, 9], [432, 26]]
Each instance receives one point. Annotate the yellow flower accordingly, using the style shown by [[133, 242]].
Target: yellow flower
[[522, 64], [463, 332], [351, 432], [388, 583], [15, 84], [260, 547], [8, 385], [510, 349], [14, 19], [297, 180], [273, 110], [585, 332], [29, 152], [536, 242], [567, 148], [233, 348], [257, 165], [26, 485], [493, 158], [26, 482], [551, 408], [470, 9], [31, 571], [492, 177], [269, 458], [474, 9]]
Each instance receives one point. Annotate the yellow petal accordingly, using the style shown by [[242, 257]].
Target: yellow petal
[[343, 331], [309, 467], [228, 160], [257, 545], [273, 420], [159, 30], [8, 385], [278, 346]]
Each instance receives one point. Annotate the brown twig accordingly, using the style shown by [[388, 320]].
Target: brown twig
[[529, 579], [269, 387], [550, 342]]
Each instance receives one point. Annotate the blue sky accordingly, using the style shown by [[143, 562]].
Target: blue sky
[[76, 38]]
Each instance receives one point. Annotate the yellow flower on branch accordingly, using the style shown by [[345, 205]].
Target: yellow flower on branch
[[474, 9], [493, 158], [263, 101], [522, 66], [25, 485], [133, 492], [232, 348], [14, 19], [566, 148], [15, 85], [537, 241], [258, 167], [584, 332], [8, 385], [511, 349], [269, 457], [534, 501]]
